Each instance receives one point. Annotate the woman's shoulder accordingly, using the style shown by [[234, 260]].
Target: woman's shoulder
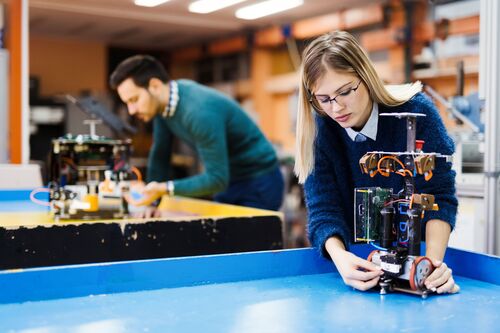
[[419, 103]]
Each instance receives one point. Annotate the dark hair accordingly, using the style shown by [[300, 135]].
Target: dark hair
[[140, 68]]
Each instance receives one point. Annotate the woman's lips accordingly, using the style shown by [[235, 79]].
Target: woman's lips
[[342, 119]]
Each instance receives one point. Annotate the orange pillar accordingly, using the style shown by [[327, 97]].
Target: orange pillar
[[18, 85], [261, 70]]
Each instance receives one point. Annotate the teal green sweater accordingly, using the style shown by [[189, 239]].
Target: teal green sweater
[[228, 142]]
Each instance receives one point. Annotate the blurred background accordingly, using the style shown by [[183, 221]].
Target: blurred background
[[71, 47]]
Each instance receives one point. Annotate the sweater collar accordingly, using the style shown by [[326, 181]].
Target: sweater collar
[[370, 128], [173, 100]]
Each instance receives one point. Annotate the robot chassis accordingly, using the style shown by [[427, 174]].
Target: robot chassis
[[394, 220], [89, 177]]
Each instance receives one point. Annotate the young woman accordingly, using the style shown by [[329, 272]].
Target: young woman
[[341, 97]]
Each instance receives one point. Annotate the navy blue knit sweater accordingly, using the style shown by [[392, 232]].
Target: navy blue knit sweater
[[329, 190]]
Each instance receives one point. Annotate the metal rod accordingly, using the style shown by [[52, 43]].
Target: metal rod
[[489, 89], [449, 107], [411, 133]]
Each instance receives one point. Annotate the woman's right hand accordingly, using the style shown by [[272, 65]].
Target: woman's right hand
[[356, 272]]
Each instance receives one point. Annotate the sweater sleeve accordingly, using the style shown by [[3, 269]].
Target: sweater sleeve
[[211, 145], [442, 185], [326, 217], [160, 153]]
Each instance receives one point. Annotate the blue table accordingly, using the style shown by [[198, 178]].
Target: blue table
[[272, 291]]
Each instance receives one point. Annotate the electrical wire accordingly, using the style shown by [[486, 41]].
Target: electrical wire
[[38, 201], [378, 247], [119, 165], [398, 200], [69, 162], [401, 172], [137, 172]]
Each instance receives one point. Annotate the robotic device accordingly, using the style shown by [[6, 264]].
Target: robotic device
[[392, 222], [89, 176]]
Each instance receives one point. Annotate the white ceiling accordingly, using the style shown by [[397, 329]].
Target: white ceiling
[[121, 23]]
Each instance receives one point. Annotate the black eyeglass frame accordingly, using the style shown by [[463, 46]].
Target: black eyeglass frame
[[312, 97]]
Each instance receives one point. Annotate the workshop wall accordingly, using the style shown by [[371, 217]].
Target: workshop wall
[[68, 66]]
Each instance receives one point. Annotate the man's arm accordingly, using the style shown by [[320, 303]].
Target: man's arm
[[160, 153], [209, 136]]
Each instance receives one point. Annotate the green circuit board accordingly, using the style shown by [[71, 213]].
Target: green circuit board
[[368, 201]]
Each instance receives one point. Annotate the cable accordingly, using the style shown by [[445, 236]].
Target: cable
[[70, 162], [399, 172], [427, 175], [392, 158], [398, 200], [119, 165], [378, 247], [137, 172], [38, 201]]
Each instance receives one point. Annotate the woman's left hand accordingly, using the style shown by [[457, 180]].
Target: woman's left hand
[[441, 280]]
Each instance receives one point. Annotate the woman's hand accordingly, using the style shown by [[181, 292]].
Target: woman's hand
[[437, 234], [441, 280], [356, 272]]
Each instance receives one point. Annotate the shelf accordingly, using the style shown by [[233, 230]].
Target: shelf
[[435, 73]]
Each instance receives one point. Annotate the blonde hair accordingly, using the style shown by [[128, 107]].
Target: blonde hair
[[339, 51]]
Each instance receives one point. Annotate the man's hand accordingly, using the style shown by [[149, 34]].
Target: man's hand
[[356, 272], [147, 194], [145, 212], [441, 280]]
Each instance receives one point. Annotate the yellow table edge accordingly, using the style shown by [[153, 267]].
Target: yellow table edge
[[197, 208]]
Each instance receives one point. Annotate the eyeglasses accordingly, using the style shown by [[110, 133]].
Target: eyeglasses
[[322, 103]]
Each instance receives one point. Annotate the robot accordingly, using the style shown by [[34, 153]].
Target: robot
[[391, 222], [89, 177]]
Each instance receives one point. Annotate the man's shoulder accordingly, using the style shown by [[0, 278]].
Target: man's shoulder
[[187, 84]]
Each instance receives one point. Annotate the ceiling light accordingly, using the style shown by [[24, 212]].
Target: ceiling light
[[208, 6], [265, 8], [149, 3]]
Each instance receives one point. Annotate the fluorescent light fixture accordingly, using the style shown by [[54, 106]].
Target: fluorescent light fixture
[[208, 6], [266, 8], [149, 3]]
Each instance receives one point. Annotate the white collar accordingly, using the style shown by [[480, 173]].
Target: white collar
[[173, 100], [370, 128]]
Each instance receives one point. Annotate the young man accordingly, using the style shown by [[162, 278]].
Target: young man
[[240, 165]]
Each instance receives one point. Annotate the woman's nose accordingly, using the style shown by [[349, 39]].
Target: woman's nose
[[335, 107]]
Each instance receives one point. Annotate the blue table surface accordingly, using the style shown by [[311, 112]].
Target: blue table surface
[[280, 291], [272, 291], [308, 303], [21, 206], [19, 201]]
